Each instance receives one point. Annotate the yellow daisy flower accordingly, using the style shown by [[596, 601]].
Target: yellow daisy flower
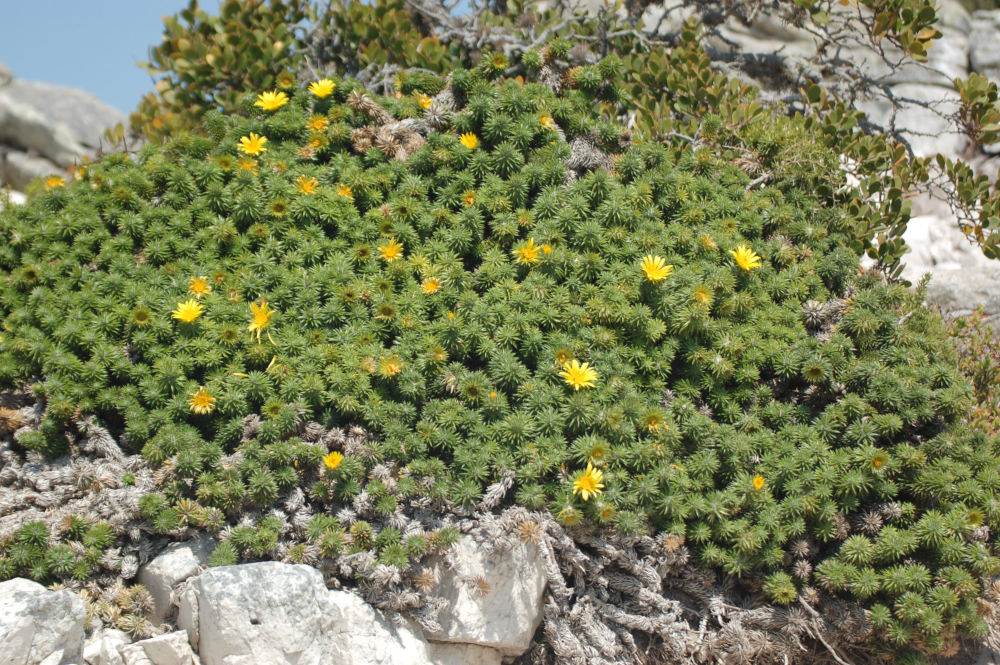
[[261, 318], [547, 122], [656, 268], [199, 286], [430, 285], [589, 483], [390, 366], [54, 182], [391, 251], [579, 375], [527, 252], [271, 101], [333, 460], [746, 258], [253, 144], [469, 140], [317, 123], [201, 402], [307, 185], [188, 311], [424, 100], [345, 191], [469, 198], [758, 482], [322, 88]]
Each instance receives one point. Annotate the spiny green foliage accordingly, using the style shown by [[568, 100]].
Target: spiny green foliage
[[797, 421], [33, 551]]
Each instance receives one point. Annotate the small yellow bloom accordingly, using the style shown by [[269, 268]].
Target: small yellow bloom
[[318, 123], [546, 249], [430, 285], [527, 252], [54, 182], [261, 318], [579, 375], [879, 460], [654, 422], [322, 88], [391, 251], [424, 100], [201, 402], [333, 460], [656, 268], [247, 164], [317, 141], [188, 311], [758, 482], [307, 185], [345, 191], [271, 101], [469, 140], [589, 483], [547, 122], [469, 198], [285, 80], [702, 294], [746, 258], [390, 365], [253, 144], [199, 286]]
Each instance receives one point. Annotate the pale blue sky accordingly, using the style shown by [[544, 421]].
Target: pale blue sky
[[88, 44]]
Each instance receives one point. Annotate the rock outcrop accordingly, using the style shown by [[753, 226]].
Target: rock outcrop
[[493, 602], [38, 625], [176, 564], [45, 128]]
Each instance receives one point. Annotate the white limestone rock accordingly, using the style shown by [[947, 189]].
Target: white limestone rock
[[464, 654], [35, 623], [103, 647], [493, 602], [18, 169], [984, 57], [277, 613], [168, 649], [174, 565]]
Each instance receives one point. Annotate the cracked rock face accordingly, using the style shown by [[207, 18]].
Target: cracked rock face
[[281, 613], [492, 601], [38, 625], [174, 565]]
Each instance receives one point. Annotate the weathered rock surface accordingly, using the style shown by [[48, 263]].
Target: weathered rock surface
[[44, 128], [984, 57], [443, 653], [103, 647], [281, 613], [36, 624], [492, 602], [174, 565], [170, 649], [18, 168], [82, 114]]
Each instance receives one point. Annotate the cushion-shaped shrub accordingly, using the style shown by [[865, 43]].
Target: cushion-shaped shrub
[[499, 279]]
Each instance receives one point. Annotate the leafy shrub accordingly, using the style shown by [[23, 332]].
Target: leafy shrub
[[206, 61], [499, 279], [978, 346]]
